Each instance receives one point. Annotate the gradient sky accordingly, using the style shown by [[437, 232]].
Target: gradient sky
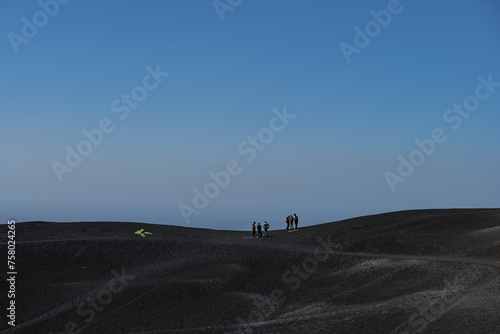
[[353, 119]]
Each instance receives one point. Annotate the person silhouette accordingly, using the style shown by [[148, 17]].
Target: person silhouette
[[266, 227]]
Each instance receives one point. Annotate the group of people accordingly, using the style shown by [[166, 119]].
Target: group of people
[[290, 220], [257, 229]]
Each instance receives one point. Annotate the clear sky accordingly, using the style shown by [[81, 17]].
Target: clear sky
[[308, 107]]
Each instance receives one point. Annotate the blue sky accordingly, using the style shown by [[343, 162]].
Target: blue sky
[[353, 120]]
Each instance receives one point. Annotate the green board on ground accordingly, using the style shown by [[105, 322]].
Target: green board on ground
[[293, 230]]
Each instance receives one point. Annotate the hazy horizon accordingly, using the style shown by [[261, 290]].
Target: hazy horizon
[[217, 114]]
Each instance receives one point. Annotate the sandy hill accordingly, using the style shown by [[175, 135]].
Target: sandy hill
[[436, 271]]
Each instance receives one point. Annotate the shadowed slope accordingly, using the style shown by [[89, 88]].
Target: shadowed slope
[[432, 269]]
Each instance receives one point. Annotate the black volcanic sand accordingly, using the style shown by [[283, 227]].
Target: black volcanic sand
[[437, 271]]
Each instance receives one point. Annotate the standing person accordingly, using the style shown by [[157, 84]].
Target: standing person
[[287, 222], [296, 220], [259, 230], [253, 229], [266, 227]]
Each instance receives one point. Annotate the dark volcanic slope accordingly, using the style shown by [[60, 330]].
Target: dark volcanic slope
[[431, 270]]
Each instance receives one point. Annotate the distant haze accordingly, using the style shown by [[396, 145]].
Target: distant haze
[[120, 110]]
